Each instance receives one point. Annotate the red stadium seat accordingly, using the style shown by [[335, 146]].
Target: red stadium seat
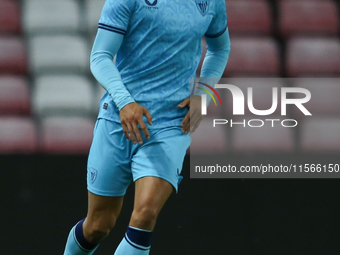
[[62, 95], [308, 17], [320, 134], [249, 17], [17, 135], [64, 135], [253, 57], [313, 57], [13, 57], [9, 16], [63, 53], [61, 16], [250, 56], [262, 139], [14, 95], [93, 9]]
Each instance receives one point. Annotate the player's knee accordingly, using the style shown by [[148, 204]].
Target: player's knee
[[145, 214], [99, 229]]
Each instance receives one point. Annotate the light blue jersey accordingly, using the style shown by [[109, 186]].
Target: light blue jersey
[[160, 52]]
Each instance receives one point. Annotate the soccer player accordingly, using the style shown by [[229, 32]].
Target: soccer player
[[146, 115]]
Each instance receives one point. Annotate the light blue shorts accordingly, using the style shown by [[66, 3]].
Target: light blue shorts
[[115, 161]]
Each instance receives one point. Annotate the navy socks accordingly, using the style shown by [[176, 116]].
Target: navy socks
[[136, 242], [77, 244], [80, 238]]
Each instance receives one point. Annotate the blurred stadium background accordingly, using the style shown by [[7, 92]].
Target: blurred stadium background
[[49, 102]]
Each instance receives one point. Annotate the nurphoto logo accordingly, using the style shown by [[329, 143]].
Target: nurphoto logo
[[239, 100]]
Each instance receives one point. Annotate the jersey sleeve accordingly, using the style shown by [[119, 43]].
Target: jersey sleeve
[[105, 71], [115, 16], [219, 22]]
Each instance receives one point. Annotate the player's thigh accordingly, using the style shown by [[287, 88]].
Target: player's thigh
[[109, 162], [151, 193], [162, 156], [103, 211]]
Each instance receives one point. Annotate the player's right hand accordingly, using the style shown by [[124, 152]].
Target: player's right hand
[[130, 116]]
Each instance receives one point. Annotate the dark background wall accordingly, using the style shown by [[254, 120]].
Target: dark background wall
[[42, 197]]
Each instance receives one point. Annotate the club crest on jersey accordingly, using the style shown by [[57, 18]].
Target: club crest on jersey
[[151, 3], [93, 174], [203, 6]]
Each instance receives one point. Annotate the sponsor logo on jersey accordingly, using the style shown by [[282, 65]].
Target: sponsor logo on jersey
[[203, 6], [151, 3]]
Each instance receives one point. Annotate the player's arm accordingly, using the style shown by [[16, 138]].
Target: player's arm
[[112, 27], [215, 60], [105, 47], [214, 63], [218, 49]]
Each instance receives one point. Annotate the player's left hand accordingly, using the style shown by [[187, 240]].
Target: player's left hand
[[194, 117]]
